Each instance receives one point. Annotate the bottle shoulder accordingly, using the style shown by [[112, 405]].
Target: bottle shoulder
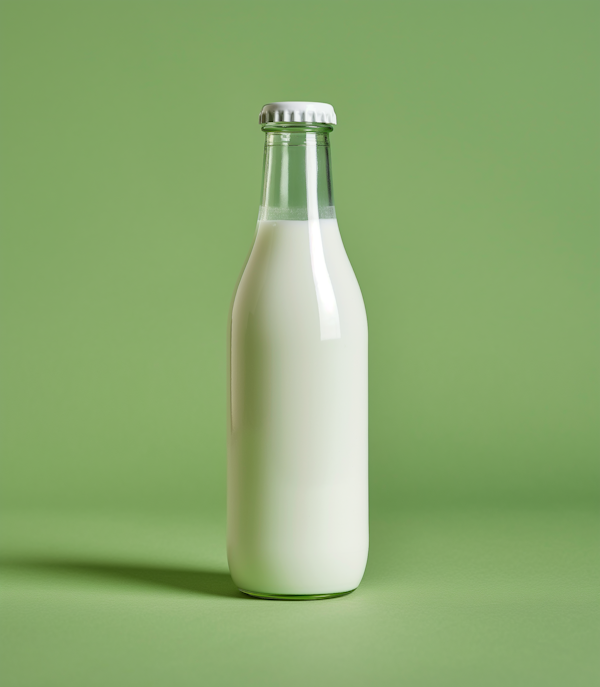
[[300, 269]]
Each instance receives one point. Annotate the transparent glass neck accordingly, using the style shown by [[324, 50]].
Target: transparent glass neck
[[297, 173]]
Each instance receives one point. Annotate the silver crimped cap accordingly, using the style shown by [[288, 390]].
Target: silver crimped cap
[[297, 111]]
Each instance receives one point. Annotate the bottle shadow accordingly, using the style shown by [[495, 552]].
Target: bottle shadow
[[198, 581]]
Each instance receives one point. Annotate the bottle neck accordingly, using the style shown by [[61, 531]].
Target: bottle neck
[[297, 173]]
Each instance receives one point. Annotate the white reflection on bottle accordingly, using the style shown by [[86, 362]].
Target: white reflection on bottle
[[284, 180], [329, 316]]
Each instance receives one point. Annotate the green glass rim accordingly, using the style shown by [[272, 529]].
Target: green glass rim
[[297, 127], [295, 597]]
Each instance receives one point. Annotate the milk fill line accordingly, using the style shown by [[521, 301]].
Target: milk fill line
[[329, 317]]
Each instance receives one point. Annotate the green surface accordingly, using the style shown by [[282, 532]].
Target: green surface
[[466, 167], [451, 597]]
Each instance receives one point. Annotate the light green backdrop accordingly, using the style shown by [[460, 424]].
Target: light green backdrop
[[465, 168], [465, 165]]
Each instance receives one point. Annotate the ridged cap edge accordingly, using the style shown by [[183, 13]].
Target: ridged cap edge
[[298, 111]]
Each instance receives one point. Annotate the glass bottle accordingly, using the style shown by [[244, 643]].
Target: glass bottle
[[297, 403]]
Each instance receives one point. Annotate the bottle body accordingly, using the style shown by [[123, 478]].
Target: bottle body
[[298, 415]]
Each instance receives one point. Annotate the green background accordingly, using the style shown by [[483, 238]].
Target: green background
[[466, 170]]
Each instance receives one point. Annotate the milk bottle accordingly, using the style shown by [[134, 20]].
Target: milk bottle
[[297, 400]]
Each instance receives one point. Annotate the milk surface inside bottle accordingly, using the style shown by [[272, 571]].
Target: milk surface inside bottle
[[297, 501]]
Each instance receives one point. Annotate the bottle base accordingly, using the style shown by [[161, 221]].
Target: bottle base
[[294, 597]]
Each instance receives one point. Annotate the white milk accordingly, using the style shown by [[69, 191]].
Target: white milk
[[297, 472]]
